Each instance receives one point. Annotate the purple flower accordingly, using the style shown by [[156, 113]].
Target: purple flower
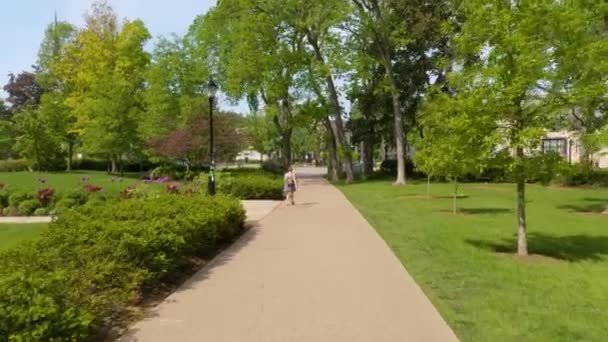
[[147, 181]]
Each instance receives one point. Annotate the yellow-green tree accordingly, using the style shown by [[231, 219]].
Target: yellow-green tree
[[104, 72]]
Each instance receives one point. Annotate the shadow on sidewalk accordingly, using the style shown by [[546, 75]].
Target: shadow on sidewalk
[[200, 275]]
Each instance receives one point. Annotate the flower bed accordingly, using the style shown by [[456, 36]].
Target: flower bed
[[95, 261]]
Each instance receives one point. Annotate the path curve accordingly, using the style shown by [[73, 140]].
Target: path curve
[[313, 272]]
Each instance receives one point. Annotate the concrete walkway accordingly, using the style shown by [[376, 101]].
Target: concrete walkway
[[309, 273], [25, 219]]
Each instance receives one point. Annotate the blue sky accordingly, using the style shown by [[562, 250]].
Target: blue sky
[[22, 24]]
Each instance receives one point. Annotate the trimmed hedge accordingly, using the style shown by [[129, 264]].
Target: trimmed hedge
[[94, 262], [250, 185], [14, 165]]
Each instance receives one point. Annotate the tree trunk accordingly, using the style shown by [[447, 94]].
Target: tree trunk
[[341, 143], [113, 168], [367, 154], [522, 242], [70, 156], [333, 170], [428, 187], [286, 147], [454, 198], [398, 116]]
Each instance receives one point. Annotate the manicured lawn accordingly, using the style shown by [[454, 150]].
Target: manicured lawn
[[66, 181], [11, 235], [465, 262]]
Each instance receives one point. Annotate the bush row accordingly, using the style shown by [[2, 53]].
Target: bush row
[[546, 171], [14, 165], [94, 262], [44, 201], [250, 184]]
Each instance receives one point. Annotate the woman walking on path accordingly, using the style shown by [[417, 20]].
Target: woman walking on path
[[289, 185]]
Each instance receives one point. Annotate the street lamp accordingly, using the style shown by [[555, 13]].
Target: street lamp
[[211, 91]]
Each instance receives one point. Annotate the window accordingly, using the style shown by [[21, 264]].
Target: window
[[558, 145]]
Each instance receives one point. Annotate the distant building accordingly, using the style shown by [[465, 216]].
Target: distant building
[[249, 156], [568, 145]]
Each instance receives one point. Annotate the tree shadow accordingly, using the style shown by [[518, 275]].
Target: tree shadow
[[595, 199], [127, 331], [596, 208], [450, 197], [572, 248], [485, 211]]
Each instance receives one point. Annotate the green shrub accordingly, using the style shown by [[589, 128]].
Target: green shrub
[[79, 196], [15, 198], [67, 203], [10, 211], [93, 262], [4, 195], [273, 166], [28, 207], [41, 212], [578, 175], [251, 185], [14, 165], [388, 167]]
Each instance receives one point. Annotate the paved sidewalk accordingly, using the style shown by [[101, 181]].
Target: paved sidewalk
[[310, 273], [24, 220]]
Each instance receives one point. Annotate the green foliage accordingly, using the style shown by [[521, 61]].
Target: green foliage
[[103, 69], [389, 168], [19, 196], [14, 165], [273, 166], [41, 212], [93, 262], [79, 196], [251, 185], [66, 203], [35, 140], [27, 207]]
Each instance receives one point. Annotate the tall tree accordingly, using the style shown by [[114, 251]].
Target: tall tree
[[35, 140], [104, 71], [23, 91], [52, 103], [255, 58], [514, 56], [402, 37], [580, 83]]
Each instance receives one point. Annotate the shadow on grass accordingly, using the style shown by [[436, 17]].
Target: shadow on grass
[[597, 208], [568, 248], [485, 211]]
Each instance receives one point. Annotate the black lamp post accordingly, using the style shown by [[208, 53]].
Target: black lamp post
[[211, 91]]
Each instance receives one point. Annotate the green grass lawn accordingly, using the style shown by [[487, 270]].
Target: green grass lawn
[[66, 181], [465, 262], [11, 235]]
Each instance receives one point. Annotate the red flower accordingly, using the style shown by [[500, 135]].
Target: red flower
[[46, 195], [92, 188]]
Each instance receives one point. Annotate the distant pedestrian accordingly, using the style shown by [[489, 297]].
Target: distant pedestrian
[[290, 183]]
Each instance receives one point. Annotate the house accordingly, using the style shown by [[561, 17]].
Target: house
[[568, 145]]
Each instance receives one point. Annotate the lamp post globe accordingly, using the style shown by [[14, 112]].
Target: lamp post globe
[[211, 92]]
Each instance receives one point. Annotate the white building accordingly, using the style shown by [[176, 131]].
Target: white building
[[249, 156]]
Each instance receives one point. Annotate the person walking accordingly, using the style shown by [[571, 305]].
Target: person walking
[[290, 184]]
